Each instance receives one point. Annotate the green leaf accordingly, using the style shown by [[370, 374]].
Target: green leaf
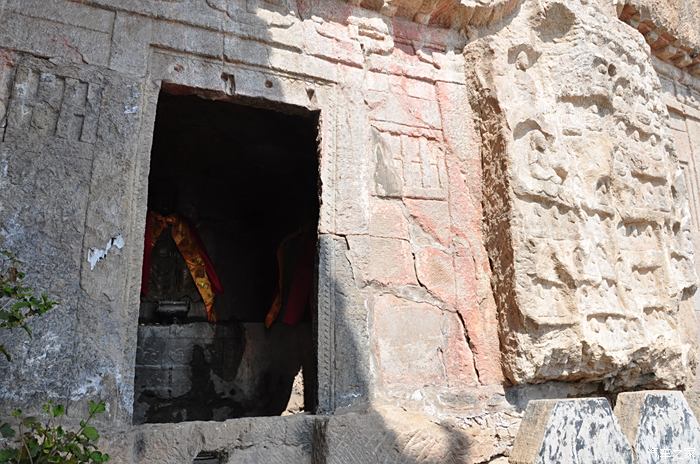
[[34, 447], [90, 433], [20, 304], [30, 421], [58, 410], [7, 431], [97, 408], [7, 455]]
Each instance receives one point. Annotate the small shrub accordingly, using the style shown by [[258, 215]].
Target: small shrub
[[18, 303], [34, 442]]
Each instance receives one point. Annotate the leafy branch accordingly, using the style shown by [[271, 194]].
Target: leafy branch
[[18, 302]]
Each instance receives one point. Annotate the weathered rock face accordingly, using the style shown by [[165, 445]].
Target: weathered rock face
[[501, 207], [586, 216]]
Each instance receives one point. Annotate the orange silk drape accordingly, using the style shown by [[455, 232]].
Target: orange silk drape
[[192, 250]]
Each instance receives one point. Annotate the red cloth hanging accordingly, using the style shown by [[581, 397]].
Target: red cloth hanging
[[295, 263]]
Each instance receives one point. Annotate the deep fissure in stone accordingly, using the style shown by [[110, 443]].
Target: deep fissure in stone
[[245, 179]]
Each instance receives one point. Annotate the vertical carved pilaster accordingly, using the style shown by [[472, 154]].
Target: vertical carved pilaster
[[325, 333]]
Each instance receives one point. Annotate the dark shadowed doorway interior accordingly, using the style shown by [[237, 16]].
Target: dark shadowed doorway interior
[[229, 281]]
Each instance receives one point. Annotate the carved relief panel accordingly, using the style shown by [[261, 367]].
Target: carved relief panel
[[597, 217]]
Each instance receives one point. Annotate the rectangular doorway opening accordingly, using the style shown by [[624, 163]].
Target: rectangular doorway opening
[[229, 277]]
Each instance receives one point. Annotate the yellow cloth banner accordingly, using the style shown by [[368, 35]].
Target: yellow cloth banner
[[191, 251]]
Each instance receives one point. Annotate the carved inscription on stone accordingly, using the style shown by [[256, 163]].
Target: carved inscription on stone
[[49, 104], [410, 166]]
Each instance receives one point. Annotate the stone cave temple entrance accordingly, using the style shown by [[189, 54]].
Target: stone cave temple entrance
[[226, 320]]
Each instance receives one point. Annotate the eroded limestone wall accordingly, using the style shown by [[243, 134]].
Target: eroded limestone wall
[[587, 221], [525, 184]]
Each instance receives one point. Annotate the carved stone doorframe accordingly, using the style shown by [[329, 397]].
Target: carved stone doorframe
[[238, 83]]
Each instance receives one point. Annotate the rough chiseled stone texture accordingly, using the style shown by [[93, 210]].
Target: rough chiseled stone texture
[[570, 431], [659, 425], [585, 208]]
